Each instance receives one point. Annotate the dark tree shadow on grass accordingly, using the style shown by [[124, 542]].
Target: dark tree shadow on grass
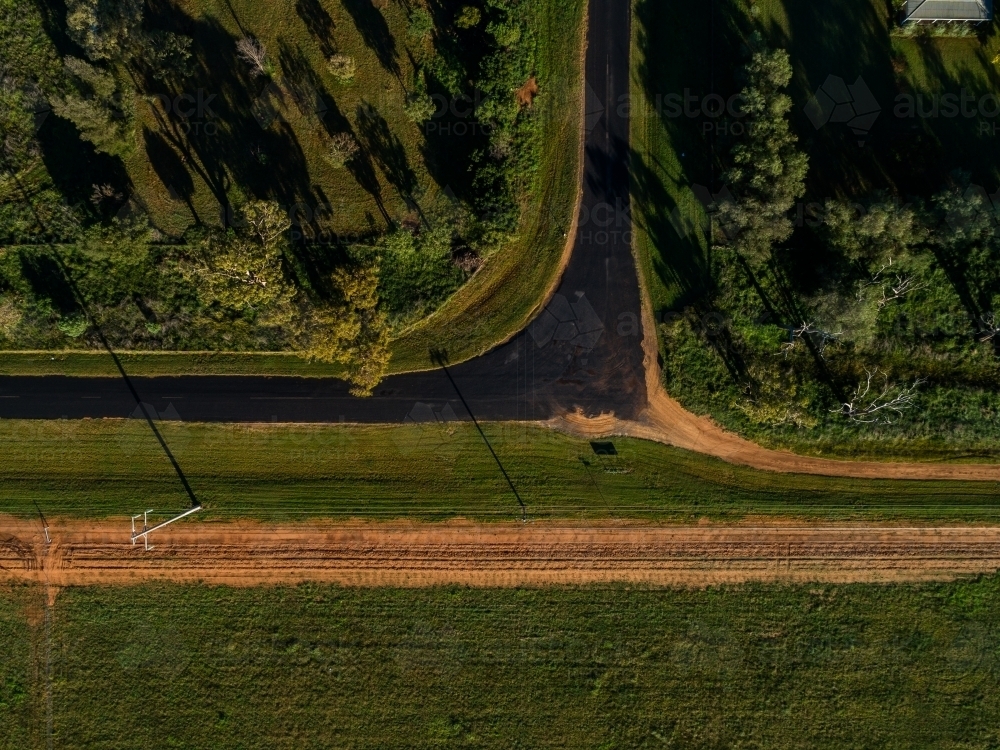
[[387, 151], [319, 23], [680, 259], [75, 166], [169, 167], [375, 33], [451, 137], [47, 281]]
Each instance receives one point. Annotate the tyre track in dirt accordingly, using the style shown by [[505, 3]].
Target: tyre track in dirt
[[491, 555]]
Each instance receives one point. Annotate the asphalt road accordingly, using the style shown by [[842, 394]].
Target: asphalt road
[[584, 351]]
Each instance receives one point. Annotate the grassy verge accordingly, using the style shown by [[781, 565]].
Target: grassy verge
[[100, 364], [500, 299], [425, 471], [318, 666]]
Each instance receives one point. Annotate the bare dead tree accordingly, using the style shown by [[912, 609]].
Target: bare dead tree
[[252, 52], [103, 192], [891, 290], [820, 338], [878, 405], [989, 327]]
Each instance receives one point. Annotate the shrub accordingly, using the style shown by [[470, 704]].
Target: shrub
[[419, 105], [468, 17], [10, 316], [74, 326], [342, 148], [421, 23], [342, 67]]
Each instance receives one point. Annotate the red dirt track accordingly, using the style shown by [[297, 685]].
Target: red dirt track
[[534, 554]]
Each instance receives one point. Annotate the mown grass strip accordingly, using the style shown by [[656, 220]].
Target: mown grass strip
[[98, 468]]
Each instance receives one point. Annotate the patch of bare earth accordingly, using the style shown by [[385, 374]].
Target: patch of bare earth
[[511, 554], [526, 94]]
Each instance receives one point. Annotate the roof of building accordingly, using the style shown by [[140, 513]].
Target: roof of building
[[949, 10]]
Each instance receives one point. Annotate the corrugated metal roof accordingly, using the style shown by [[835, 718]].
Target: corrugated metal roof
[[949, 10]]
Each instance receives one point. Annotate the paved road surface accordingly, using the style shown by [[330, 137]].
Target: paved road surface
[[584, 351]]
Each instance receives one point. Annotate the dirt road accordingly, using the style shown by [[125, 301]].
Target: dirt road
[[412, 554]]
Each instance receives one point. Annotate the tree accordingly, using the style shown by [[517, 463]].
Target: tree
[[878, 407], [351, 330], [468, 17], [341, 149], [767, 170], [421, 23], [252, 52], [419, 105], [884, 230], [167, 54], [105, 29], [97, 107], [111, 31], [244, 268]]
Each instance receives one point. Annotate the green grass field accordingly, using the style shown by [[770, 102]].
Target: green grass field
[[859, 666], [98, 468]]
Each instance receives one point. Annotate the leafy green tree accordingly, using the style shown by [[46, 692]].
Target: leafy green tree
[[166, 53], [105, 29], [98, 108], [421, 23], [418, 273], [111, 31], [419, 105], [468, 17], [885, 230], [73, 326], [767, 171], [351, 330], [243, 269]]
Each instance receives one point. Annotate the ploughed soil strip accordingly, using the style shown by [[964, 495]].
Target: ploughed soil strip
[[502, 554]]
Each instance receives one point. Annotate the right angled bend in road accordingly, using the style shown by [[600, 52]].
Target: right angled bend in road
[[583, 352]]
